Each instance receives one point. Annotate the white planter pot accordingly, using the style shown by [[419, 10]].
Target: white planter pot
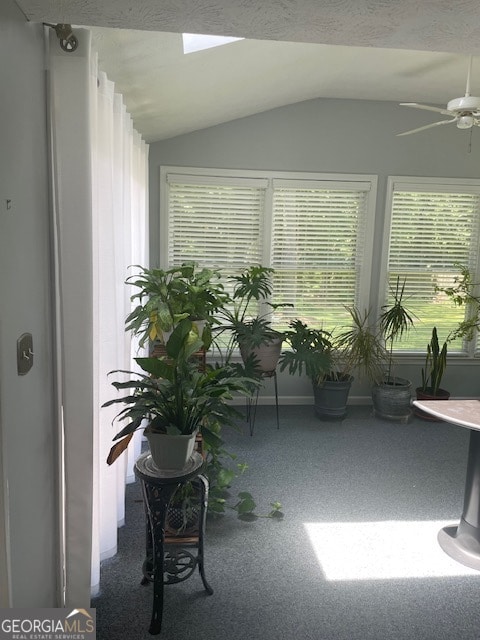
[[197, 326], [170, 452]]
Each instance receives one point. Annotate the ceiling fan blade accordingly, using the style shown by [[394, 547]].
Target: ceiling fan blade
[[427, 126], [426, 107]]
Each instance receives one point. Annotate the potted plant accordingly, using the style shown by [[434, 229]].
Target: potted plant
[[331, 358], [176, 400], [368, 349], [361, 348], [248, 328], [165, 297], [432, 374], [312, 351], [392, 395]]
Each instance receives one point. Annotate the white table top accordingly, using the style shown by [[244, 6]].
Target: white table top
[[464, 413]]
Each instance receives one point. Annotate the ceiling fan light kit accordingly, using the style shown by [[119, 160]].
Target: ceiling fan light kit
[[465, 122], [464, 111]]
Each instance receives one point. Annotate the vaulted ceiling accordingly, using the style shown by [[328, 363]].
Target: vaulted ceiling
[[295, 50]]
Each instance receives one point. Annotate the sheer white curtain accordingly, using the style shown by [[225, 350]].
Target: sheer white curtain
[[100, 215], [119, 174]]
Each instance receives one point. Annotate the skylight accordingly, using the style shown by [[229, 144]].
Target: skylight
[[195, 42], [382, 550]]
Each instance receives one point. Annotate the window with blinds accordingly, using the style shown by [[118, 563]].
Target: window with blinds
[[433, 226], [318, 247], [215, 222], [315, 230]]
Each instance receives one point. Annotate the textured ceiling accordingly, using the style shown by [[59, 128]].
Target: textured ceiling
[[378, 49], [437, 25]]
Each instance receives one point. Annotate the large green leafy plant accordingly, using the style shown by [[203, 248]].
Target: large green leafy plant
[[165, 297], [174, 396], [242, 321], [310, 351]]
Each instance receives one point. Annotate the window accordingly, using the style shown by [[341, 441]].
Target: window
[[215, 222], [431, 225], [318, 247], [315, 230]]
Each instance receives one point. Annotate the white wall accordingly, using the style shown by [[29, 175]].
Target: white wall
[[345, 136], [26, 402]]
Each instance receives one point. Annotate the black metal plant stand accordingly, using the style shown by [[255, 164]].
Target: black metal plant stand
[[252, 402], [170, 563]]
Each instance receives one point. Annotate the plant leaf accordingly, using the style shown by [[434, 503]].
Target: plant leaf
[[118, 448]]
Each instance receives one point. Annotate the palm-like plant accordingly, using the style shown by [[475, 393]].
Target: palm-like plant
[[395, 321], [360, 347]]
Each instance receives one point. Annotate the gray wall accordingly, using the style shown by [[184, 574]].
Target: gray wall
[[26, 402], [344, 136]]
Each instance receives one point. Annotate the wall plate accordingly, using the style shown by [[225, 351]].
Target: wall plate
[[24, 354]]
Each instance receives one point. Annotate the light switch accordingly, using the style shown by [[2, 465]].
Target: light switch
[[24, 354]]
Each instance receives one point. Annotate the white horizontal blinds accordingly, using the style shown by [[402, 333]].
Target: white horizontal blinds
[[432, 231], [318, 235], [215, 222]]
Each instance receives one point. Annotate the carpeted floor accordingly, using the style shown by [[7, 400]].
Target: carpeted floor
[[354, 558]]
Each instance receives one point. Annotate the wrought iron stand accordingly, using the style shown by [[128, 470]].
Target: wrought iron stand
[[169, 563], [253, 402]]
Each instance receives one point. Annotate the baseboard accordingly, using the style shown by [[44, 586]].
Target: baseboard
[[308, 400], [300, 400]]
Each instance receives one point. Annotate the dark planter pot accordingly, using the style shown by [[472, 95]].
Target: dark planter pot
[[331, 398], [392, 399], [442, 394]]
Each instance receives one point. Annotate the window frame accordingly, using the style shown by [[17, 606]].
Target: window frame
[[420, 184], [321, 180]]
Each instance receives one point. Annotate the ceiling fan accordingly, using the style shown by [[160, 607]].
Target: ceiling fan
[[464, 111]]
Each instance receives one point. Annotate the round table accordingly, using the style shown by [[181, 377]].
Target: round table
[[462, 542]]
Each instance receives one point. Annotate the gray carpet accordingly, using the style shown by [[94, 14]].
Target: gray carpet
[[268, 583]]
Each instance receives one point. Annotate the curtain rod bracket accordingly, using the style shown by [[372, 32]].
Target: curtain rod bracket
[[67, 40]]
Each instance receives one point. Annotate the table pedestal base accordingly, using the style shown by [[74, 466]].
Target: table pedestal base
[[462, 543]]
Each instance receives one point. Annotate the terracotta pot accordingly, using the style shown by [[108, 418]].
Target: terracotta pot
[[266, 355], [442, 394]]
